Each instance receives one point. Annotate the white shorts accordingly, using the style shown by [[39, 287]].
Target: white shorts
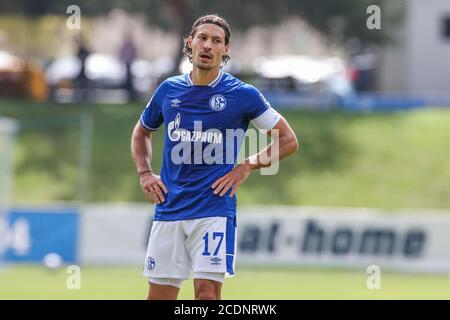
[[176, 249]]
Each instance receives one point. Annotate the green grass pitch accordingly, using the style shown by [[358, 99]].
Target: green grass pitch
[[37, 282], [381, 160]]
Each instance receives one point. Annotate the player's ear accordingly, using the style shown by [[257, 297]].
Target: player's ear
[[189, 42], [227, 49]]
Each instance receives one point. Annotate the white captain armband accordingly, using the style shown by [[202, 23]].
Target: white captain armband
[[267, 120]]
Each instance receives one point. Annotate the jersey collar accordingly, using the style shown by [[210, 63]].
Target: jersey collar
[[211, 84]]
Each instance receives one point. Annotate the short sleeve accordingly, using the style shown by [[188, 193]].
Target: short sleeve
[[152, 117], [260, 112]]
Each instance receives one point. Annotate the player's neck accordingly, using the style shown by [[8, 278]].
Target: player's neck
[[200, 77]]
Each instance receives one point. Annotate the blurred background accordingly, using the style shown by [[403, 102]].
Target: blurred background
[[363, 83]]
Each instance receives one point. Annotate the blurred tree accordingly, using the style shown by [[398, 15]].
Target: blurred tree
[[338, 20], [325, 15]]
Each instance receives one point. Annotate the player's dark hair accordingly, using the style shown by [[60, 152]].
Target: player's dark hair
[[214, 19]]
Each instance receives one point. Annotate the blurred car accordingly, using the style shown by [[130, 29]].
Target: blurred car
[[106, 77], [295, 80], [21, 78], [148, 74]]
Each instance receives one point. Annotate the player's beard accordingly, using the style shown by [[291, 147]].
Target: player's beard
[[204, 66]]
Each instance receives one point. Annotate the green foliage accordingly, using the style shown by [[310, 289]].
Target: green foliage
[[396, 160], [176, 14], [282, 283]]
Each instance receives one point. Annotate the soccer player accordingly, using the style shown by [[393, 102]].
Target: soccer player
[[193, 232]]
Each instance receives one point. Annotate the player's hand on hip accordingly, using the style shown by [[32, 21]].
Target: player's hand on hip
[[232, 180], [153, 187]]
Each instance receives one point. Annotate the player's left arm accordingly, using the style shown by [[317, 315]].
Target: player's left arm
[[285, 143]]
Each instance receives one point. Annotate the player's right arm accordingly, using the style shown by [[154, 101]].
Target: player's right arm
[[141, 146], [141, 151]]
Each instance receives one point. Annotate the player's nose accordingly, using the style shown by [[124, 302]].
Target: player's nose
[[207, 45]]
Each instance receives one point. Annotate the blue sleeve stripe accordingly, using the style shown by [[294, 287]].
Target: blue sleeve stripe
[[230, 241], [146, 126]]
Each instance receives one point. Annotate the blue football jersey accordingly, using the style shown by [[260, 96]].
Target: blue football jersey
[[203, 132]]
